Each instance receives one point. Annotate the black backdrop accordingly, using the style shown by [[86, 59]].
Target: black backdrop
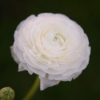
[[84, 12]]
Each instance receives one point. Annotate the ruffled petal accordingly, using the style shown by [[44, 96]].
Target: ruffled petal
[[45, 83]]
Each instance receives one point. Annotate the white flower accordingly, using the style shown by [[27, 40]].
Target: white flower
[[52, 46]]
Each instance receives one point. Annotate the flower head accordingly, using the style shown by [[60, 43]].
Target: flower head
[[52, 46]]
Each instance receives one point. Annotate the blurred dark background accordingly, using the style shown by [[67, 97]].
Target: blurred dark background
[[84, 12]]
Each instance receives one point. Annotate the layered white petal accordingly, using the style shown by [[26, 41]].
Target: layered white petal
[[45, 83]]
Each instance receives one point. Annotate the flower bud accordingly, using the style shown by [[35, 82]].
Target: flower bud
[[7, 93]]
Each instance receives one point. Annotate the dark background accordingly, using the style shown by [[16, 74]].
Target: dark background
[[84, 12]]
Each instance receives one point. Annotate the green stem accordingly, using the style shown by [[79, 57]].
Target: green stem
[[33, 90]]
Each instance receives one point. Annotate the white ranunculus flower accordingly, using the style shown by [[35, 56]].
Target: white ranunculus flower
[[52, 46]]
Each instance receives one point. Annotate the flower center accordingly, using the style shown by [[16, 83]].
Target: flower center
[[54, 38], [58, 39]]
